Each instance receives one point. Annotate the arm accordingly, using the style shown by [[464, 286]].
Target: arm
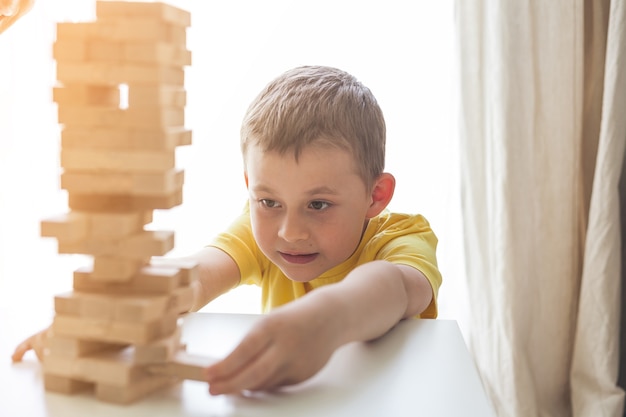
[[374, 298], [371, 300], [218, 274]]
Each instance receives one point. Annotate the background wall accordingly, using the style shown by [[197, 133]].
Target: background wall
[[405, 55]]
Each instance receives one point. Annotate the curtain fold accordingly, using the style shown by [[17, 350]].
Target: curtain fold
[[621, 380], [596, 354], [541, 102]]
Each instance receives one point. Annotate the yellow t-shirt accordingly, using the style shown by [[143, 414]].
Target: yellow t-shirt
[[397, 238]]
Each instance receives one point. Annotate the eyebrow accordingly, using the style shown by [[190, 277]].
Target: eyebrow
[[322, 190], [317, 190]]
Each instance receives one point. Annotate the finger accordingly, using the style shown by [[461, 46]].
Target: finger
[[36, 343], [247, 351], [39, 345], [263, 373], [21, 350]]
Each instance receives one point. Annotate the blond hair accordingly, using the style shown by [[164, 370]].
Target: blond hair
[[318, 105]]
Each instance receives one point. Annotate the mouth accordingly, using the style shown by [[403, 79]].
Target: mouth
[[299, 259]]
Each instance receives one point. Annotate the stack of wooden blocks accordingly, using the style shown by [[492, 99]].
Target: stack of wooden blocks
[[121, 100]]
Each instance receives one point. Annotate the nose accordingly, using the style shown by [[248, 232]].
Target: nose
[[293, 228]]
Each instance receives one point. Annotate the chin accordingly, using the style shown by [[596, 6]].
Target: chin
[[299, 276]]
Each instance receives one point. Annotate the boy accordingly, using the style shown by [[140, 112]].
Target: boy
[[313, 145]]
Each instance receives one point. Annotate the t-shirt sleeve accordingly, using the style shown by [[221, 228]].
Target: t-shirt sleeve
[[238, 242], [414, 244]]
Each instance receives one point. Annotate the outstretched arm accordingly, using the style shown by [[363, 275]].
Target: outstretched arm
[[218, 274], [296, 340]]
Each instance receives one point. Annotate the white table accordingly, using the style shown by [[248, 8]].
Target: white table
[[421, 368]]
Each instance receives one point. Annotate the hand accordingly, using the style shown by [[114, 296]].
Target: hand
[[8, 7], [35, 342], [285, 347], [11, 10]]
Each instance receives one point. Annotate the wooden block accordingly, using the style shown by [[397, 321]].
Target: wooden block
[[99, 50], [131, 309], [94, 306], [115, 74], [119, 139], [85, 305], [107, 367], [92, 116], [85, 50], [154, 117], [70, 50], [78, 226], [73, 347], [137, 29], [143, 244], [107, 51], [114, 331], [68, 227], [92, 160], [184, 366], [128, 394], [142, 184], [113, 368], [162, 350], [143, 309], [74, 31], [123, 202], [189, 268], [156, 95], [113, 269], [67, 304], [157, 53], [157, 10], [89, 73], [153, 74], [184, 299], [87, 95], [150, 280], [65, 385], [148, 243], [116, 225], [64, 366], [151, 118]]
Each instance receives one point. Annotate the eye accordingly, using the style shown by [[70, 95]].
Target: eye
[[269, 203], [319, 205]]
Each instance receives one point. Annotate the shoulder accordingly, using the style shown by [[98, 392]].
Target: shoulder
[[402, 223], [399, 231]]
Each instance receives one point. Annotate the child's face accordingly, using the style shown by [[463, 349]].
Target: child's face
[[307, 216]]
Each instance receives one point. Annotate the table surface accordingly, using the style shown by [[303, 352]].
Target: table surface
[[421, 367]]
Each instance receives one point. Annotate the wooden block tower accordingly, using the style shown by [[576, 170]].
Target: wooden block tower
[[121, 100]]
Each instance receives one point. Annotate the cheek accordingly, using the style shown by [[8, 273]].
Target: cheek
[[261, 230], [341, 238]]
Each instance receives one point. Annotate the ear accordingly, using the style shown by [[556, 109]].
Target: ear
[[245, 177], [382, 192]]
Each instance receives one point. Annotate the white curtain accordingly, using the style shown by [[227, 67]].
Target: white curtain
[[543, 134]]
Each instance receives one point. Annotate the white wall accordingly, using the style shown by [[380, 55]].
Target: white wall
[[405, 55]]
